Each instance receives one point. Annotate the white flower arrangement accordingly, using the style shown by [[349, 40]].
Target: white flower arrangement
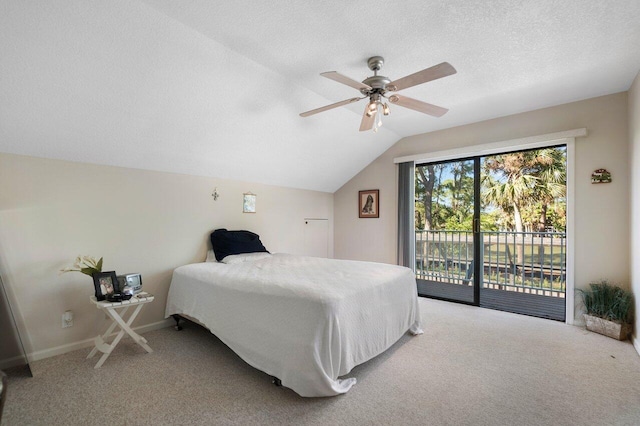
[[88, 265]]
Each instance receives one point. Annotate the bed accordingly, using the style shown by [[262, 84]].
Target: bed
[[304, 320]]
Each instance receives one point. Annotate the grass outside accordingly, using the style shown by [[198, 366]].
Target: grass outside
[[544, 255]]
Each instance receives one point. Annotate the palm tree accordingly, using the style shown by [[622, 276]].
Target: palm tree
[[516, 180], [553, 181]]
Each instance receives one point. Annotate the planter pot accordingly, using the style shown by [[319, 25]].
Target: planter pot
[[607, 328]]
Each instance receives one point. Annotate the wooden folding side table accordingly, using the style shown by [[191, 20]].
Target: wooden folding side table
[[118, 319]]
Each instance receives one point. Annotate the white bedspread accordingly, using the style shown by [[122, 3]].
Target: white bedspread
[[305, 320]]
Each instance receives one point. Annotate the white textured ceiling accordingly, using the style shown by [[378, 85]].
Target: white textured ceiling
[[214, 88]]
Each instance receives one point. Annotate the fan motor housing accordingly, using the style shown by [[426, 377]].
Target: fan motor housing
[[377, 81]]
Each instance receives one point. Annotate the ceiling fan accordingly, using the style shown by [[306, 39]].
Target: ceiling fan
[[377, 87]]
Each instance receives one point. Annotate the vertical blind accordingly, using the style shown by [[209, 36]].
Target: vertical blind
[[406, 195]]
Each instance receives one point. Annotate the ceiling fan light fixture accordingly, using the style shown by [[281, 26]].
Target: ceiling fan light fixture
[[372, 108], [378, 118], [376, 109]]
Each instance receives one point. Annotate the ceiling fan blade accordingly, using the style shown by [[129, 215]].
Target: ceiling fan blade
[[435, 72], [367, 120], [345, 80], [328, 107], [417, 105]]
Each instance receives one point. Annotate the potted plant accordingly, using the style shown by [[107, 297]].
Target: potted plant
[[609, 309]]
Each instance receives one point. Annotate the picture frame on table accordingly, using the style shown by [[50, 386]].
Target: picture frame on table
[[369, 203], [105, 283]]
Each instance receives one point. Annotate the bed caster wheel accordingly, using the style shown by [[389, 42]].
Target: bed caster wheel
[[276, 381], [177, 319]]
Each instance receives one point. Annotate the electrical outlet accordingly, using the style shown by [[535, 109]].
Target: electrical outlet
[[67, 319]]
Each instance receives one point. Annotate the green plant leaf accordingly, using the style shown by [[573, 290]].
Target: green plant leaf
[[609, 302], [99, 265], [89, 271]]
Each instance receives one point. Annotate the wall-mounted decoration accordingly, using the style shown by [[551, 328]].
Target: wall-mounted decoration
[[215, 194], [601, 176], [369, 203], [249, 202]]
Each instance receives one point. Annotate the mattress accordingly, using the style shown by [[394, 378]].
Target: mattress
[[304, 320]]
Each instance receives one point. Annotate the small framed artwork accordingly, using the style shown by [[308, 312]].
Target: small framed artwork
[[105, 283], [601, 176], [249, 203], [369, 203]]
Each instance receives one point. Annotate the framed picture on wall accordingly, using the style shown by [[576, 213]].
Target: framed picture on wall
[[249, 202], [369, 203]]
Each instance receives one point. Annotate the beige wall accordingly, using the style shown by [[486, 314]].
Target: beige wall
[[634, 156], [140, 221], [602, 211]]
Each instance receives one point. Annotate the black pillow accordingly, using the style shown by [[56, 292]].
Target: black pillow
[[226, 243]]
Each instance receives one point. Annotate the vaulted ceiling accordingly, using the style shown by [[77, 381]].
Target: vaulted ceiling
[[214, 88]]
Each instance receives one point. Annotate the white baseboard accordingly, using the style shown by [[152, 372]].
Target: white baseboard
[[579, 322], [69, 347], [636, 344], [12, 362]]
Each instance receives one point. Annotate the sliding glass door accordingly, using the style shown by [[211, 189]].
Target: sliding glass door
[[490, 231]]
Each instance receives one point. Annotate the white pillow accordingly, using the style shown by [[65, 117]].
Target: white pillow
[[245, 257]]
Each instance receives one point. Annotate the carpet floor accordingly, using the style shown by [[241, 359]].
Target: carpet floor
[[472, 366]]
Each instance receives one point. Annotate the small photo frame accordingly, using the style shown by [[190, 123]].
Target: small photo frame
[[369, 203], [601, 176], [249, 203], [105, 283]]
